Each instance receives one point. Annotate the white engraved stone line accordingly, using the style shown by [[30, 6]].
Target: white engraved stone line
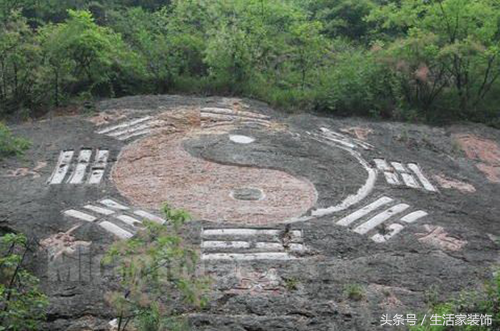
[[382, 165], [62, 167], [391, 178], [112, 204], [399, 166], [134, 134], [232, 117], [149, 217], [409, 180], [297, 247], [129, 220], [99, 166], [225, 244], [130, 130], [116, 230], [394, 230], [413, 217], [346, 221], [361, 194], [425, 182], [380, 218], [233, 112], [99, 210], [123, 125], [248, 257], [80, 215], [239, 232], [81, 167], [270, 246]]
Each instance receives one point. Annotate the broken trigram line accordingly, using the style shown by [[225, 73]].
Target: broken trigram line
[[250, 244], [374, 217], [116, 218], [406, 173], [130, 129], [212, 116], [80, 168]]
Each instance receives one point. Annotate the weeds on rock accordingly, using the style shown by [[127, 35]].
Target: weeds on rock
[[157, 280], [10, 145], [354, 292]]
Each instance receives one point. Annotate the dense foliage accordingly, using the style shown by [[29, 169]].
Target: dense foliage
[[406, 59], [22, 305], [10, 145], [157, 275]]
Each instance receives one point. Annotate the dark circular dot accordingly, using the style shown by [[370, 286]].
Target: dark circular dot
[[247, 193]]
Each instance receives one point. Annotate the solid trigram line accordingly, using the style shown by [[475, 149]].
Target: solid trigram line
[[80, 170], [378, 219], [79, 215], [346, 221], [425, 182], [113, 204], [243, 244], [130, 129], [345, 140], [227, 111], [368, 222], [391, 174], [62, 166]]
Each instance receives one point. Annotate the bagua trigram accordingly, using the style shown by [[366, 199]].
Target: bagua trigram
[[372, 219], [132, 128], [80, 169], [397, 170], [249, 244], [116, 218]]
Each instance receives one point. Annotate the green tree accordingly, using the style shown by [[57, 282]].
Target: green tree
[[157, 272], [447, 46], [22, 304]]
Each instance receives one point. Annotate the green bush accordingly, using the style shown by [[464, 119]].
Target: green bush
[[10, 145], [22, 304]]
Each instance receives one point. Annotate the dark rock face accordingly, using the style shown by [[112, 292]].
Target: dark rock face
[[385, 216]]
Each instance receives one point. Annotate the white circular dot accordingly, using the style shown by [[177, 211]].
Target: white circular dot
[[241, 139]]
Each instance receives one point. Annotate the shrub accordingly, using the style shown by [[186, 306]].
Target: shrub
[[22, 304], [10, 145]]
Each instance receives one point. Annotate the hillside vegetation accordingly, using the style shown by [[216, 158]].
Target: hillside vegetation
[[413, 60]]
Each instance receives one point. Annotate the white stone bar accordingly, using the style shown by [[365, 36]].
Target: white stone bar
[[129, 220], [297, 247], [425, 182], [116, 230], [130, 130], [112, 204], [346, 221], [392, 178], [248, 257], [240, 232], [413, 217], [124, 125], [234, 112], [269, 246], [78, 214], [149, 217], [380, 218], [81, 167], [409, 180], [382, 165], [225, 244], [134, 134], [231, 117], [99, 166], [394, 230], [399, 166], [99, 210], [62, 167]]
